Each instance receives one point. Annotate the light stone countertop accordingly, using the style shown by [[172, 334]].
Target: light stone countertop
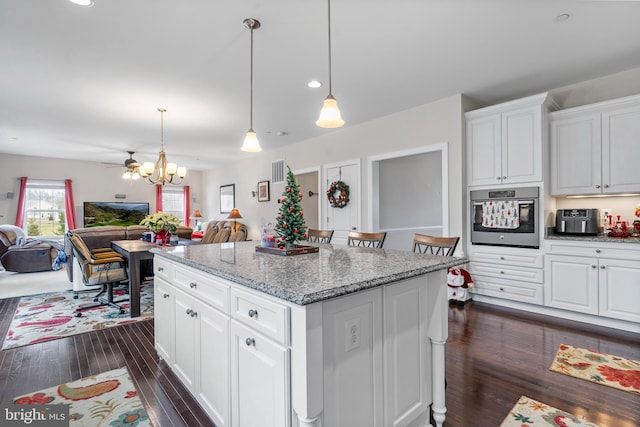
[[304, 279], [599, 238]]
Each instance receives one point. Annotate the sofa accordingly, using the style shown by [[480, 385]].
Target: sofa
[[21, 255], [102, 236]]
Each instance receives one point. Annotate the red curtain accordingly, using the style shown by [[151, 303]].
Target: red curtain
[[187, 205], [22, 199], [158, 198], [69, 205]]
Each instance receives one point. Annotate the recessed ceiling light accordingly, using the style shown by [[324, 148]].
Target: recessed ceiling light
[[562, 17], [88, 3], [314, 84]]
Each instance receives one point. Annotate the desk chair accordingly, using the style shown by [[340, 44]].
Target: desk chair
[[319, 236], [99, 267], [368, 240], [425, 244]]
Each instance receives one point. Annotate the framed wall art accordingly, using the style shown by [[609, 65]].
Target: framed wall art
[[263, 191], [227, 198]]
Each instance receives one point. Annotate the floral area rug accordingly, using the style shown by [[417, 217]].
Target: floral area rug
[[528, 412], [50, 316], [601, 368], [107, 399]]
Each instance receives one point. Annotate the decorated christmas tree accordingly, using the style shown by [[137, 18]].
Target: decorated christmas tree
[[290, 225]]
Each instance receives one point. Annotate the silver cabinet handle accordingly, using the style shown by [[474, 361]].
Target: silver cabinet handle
[[189, 311], [502, 289], [598, 251], [253, 313], [160, 269], [597, 186], [250, 341], [606, 186], [593, 266], [502, 258], [504, 177], [194, 313], [165, 295], [193, 285], [498, 178], [602, 267]]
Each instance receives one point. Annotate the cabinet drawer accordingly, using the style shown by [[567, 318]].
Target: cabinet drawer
[[162, 269], [514, 256], [261, 314], [630, 251], [508, 289], [203, 287], [534, 275]]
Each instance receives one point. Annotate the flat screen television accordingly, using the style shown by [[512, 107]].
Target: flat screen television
[[114, 213]]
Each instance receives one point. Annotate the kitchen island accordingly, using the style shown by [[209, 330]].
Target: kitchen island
[[342, 337]]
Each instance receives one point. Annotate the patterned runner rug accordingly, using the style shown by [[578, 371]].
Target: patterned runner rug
[[49, 317], [601, 368], [528, 412], [106, 399]]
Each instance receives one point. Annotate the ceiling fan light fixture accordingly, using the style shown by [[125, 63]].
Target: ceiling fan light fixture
[[251, 143]]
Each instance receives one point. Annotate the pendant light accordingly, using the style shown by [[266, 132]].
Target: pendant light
[[251, 143], [330, 114]]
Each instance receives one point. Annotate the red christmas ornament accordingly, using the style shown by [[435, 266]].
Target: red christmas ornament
[[281, 216], [284, 225], [300, 195], [283, 200], [304, 235], [288, 190], [295, 230], [301, 213], [290, 209]]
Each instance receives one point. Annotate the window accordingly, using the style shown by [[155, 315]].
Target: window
[[44, 208], [173, 202]]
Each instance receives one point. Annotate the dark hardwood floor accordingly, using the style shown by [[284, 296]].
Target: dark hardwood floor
[[494, 355]]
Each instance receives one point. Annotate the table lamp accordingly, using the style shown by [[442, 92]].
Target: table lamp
[[234, 215]]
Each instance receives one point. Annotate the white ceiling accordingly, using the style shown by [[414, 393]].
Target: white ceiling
[[85, 83]]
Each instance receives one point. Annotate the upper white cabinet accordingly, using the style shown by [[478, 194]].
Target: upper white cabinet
[[505, 142], [594, 149]]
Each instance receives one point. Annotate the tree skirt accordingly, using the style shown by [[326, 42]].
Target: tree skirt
[[528, 412], [601, 368], [49, 317], [106, 399]]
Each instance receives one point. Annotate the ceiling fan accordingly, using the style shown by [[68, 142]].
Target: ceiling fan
[[132, 168]]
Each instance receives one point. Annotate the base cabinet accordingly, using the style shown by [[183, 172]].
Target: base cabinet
[[597, 279], [373, 358]]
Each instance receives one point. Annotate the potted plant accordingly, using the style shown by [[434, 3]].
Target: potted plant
[[162, 224]]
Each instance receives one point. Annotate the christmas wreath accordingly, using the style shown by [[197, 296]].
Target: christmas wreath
[[341, 200]]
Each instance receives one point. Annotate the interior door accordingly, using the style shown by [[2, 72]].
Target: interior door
[[343, 220]]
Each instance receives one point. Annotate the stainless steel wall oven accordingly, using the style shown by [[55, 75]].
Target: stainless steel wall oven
[[506, 217]]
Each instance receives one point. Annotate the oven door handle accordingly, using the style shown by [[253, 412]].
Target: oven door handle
[[522, 202]]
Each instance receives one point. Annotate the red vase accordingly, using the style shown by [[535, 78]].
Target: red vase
[[163, 236]]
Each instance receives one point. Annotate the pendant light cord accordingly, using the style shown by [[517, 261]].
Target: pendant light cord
[[329, 32], [251, 84], [162, 110]]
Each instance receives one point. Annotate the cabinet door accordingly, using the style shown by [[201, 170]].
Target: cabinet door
[[212, 349], [522, 145], [259, 380], [620, 289], [184, 361], [575, 155], [163, 319], [484, 152], [571, 283], [621, 150]]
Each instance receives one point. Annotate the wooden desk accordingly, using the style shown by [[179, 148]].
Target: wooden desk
[[135, 251]]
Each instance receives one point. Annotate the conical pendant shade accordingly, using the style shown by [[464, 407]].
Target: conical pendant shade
[[251, 143]]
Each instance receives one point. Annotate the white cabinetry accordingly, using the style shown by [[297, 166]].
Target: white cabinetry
[[508, 273], [505, 142], [594, 148], [594, 278]]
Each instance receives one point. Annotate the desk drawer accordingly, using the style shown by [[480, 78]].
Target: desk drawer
[[204, 287], [262, 314]]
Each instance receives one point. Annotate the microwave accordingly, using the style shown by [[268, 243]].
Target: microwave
[[506, 217]]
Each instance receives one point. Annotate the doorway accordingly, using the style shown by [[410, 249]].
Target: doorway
[[309, 181]]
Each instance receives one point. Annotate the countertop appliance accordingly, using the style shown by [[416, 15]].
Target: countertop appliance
[[578, 221], [506, 217]]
